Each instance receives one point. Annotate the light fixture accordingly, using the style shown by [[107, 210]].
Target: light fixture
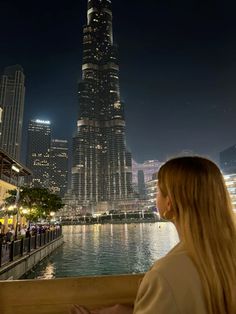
[[15, 168]]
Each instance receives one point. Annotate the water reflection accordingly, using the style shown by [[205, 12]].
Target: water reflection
[[108, 249]]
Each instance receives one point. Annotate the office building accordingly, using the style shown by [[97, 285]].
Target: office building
[[38, 152], [58, 166], [101, 169], [12, 97]]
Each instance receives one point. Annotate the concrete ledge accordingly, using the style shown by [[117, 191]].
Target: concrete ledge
[[56, 296], [18, 268]]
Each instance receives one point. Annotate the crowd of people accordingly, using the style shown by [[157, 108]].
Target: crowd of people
[[24, 232]]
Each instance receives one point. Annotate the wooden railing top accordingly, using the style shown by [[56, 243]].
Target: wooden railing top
[[57, 296]]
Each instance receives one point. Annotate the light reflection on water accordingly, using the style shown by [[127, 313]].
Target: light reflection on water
[[107, 249]]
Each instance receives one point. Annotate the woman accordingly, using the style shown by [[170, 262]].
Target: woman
[[198, 276]]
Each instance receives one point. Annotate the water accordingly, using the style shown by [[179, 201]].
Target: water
[[107, 249]]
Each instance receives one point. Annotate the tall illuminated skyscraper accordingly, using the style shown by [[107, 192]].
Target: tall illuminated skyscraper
[[38, 152], [101, 169], [59, 166], [12, 97]]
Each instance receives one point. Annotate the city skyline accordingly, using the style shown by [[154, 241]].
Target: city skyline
[[177, 71]]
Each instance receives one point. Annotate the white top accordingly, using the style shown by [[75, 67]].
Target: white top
[[171, 286]]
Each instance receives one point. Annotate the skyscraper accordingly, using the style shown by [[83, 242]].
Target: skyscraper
[[12, 95], [141, 185], [38, 152], [58, 166], [149, 167], [101, 162]]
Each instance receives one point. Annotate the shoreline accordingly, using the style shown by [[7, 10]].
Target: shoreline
[[121, 222]]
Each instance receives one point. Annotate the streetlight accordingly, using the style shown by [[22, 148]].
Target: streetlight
[[17, 210], [17, 170], [52, 214]]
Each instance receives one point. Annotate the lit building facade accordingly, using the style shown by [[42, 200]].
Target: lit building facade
[[149, 167], [151, 187], [38, 152], [58, 166], [101, 169], [228, 160], [230, 181], [11, 174], [142, 173], [12, 98]]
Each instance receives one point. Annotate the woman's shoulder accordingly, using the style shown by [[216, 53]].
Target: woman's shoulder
[[177, 274], [176, 260]]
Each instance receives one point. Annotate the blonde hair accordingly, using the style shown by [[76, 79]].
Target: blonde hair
[[203, 212]]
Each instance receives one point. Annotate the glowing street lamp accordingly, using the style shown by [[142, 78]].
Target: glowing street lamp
[[25, 211], [16, 169]]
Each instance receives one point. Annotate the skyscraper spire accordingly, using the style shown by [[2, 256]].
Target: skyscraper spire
[[101, 164]]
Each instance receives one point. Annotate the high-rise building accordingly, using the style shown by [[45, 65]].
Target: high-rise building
[[152, 191], [228, 160], [38, 152], [141, 185], [149, 167], [58, 166], [101, 169], [12, 96]]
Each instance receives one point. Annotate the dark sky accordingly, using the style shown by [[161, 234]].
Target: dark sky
[[177, 69]]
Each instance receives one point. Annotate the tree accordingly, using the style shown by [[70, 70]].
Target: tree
[[38, 201]]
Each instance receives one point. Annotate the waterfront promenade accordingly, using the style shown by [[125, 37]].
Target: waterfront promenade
[[14, 252]]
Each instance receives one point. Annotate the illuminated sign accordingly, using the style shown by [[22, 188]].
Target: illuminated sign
[[43, 121]]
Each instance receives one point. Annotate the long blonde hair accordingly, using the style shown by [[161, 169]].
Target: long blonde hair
[[203, 212]]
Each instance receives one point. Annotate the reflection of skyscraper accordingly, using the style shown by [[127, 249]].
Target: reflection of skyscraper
[[38, 152], [101, 163], [59, 166], [12, 95]]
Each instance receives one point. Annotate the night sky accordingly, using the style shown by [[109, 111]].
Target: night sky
[[177, 69]]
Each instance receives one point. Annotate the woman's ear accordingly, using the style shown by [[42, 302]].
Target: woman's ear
[[168, 203]]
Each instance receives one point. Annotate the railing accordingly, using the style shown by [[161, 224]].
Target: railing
[[16, 249], [57, 296]]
